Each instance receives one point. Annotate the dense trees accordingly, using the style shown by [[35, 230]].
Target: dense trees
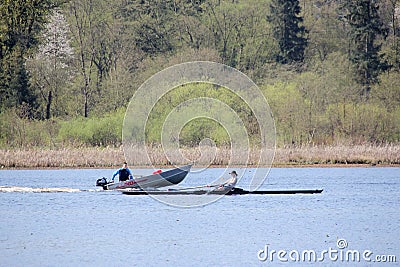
[[287, 29], [324, 65], [365, 27], [20, 25], [50, 67]]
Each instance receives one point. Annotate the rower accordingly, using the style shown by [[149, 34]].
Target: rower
[[231, 182], [123, 173]]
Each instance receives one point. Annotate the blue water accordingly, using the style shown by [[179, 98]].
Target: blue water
[[95, 228]]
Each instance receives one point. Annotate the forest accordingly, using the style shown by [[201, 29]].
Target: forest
[[329, 69]]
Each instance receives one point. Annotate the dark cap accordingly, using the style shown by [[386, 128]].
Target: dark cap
[[233, 172]]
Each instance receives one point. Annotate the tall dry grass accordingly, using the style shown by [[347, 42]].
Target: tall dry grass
[[61, 158], [112, 157], [339, 154]]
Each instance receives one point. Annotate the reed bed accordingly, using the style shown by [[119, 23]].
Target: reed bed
[[88, 157], [61, 158], [339, 154]]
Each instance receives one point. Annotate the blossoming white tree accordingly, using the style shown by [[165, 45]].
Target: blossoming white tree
[[51, 66]]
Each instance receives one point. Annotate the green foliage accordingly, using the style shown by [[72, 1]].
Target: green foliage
[[365, 27], [21, 22], [21, 132], [51, 68], [198, 129], [71, 88], [289, 111], [14, 85], [304, 114], [25, 133], [20, 25], [287, 30], [326, 33], [100, 131], [239, 32], [387, 92], [363, 123], [152, 31]]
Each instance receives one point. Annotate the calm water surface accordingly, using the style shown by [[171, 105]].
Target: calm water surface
[[97, 228]]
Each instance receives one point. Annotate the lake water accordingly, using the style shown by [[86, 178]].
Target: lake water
[[358, 211]]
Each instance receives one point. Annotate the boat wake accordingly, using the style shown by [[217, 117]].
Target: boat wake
[[9, 189]]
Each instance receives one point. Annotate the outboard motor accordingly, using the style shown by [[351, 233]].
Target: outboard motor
[[102, 182]]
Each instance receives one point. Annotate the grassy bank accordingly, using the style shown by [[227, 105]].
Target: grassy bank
[[112, 157]]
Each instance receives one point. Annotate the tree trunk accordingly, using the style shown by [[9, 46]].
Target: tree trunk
[[86, 106], [48, 105]]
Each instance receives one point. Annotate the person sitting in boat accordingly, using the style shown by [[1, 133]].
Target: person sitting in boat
[[231, 182], [123, 173]]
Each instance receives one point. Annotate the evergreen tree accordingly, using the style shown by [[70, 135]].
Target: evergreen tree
[[365, 28], [20, 23], [287, 30], [14, 84]]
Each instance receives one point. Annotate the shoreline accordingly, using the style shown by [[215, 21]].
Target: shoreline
[[274, 166], [292, 157]]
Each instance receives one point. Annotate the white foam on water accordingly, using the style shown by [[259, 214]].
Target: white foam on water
[[8, 189]]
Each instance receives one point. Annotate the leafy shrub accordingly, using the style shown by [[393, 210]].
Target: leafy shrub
[[95, 131]]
